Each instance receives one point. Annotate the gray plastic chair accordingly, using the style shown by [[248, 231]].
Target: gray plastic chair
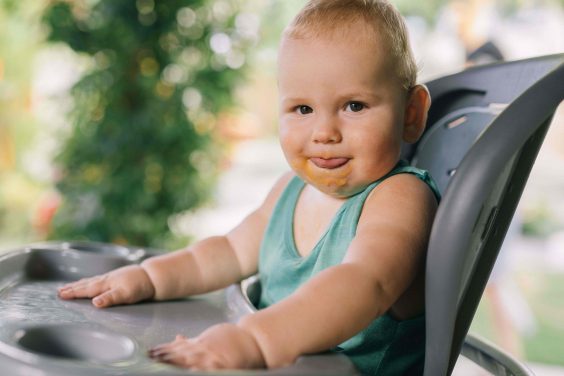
[[485, 128]]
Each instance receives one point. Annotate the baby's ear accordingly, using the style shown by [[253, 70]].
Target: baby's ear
[[415, 117]]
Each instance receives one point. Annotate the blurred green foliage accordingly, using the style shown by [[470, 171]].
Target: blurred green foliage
[[20, 37], [141, 145], [539, 220]]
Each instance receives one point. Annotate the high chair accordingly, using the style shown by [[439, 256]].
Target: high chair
[[485, 127]]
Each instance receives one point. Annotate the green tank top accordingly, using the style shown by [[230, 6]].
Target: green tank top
[[387, 346]]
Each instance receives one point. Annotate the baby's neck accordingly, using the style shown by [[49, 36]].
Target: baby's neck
[[312, 216]]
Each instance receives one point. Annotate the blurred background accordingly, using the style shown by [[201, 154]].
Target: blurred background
[[154, 123]]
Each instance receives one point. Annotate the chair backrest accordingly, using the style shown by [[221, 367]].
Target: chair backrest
[[486, 125]]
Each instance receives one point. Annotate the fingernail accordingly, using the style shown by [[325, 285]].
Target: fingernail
[[97, 301]]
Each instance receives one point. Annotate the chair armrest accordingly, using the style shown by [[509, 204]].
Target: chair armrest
[[492, 358]]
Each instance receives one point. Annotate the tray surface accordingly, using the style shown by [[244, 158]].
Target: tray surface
[[39, 331]]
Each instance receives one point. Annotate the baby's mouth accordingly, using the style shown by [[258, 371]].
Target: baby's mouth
[[329, 163]]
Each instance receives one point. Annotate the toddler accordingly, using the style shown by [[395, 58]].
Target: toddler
[[339, 241]]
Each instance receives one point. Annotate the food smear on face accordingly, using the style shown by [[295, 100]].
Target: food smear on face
[[327, 175]]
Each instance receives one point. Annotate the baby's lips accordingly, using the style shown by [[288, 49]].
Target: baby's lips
[[329, 163]]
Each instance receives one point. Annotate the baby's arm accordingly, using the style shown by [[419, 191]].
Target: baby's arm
[[208, 265], [381, 263]]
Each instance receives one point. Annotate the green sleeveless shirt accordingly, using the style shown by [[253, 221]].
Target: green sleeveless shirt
[[386, 346]]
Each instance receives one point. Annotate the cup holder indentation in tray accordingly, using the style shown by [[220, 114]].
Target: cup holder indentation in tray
[[75, 343], [97, 248], [75, 260]]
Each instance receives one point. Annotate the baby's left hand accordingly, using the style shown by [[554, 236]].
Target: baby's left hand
[[223, 346]]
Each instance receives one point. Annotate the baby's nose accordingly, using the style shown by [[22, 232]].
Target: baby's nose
[[327, 131]]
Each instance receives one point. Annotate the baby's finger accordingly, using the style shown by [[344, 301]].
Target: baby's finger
[[171, 358], [161, 349], [71, 285], [161, 352], [109, 298], [186, 359], [178, 340], [178, 346], [82, 289]]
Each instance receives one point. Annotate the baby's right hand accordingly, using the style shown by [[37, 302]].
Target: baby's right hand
[[126, 285]]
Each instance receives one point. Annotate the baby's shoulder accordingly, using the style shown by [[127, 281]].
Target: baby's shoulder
[[282, 183], [402, 186], [400, 196]]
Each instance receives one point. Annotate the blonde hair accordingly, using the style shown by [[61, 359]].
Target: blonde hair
[[325, 17]]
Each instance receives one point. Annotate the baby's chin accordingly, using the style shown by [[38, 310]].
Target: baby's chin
[[338, 188]]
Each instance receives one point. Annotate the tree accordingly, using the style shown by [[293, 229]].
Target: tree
[[141, 147]]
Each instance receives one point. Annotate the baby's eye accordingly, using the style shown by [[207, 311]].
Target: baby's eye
[[304, 110], [355, 106]]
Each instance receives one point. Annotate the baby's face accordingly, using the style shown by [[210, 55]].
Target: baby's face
[[341, 111]]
